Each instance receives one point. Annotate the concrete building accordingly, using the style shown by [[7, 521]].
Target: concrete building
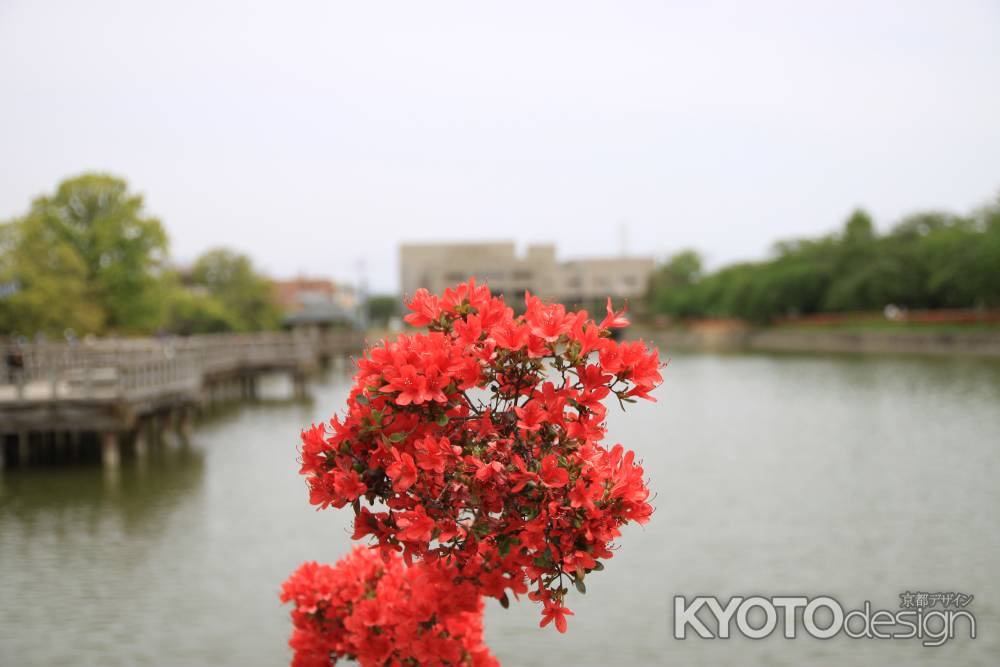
[[576, 282], [591, 280]]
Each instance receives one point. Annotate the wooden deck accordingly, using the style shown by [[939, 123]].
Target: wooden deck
[[111, 386]]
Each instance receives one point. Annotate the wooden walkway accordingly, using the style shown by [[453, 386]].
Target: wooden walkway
[[111, 387]]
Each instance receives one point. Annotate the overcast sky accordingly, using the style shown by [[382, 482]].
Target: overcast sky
[[312, 135]]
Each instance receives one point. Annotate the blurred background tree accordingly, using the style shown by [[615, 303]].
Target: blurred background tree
[[928, 260], [88, 258], [245, 296], [670, 285], [44, 283], [191, 310], [122, 249], [381, 308]]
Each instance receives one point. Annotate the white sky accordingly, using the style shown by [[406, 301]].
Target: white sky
[[313, 135]]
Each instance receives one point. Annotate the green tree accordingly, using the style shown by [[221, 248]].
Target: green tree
[[195, 311], [669, 288], [44, 285], [381, 307], [929, 260], [121, 250], [962, 261], [246, 296]]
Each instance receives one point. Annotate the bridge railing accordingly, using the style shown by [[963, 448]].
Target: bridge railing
[[120, 368]]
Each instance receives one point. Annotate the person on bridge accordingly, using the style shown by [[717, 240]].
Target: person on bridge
[[14, 359]]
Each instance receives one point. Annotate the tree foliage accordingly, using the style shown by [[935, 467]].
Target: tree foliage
[[382, 307], [43, 283], [88, 257], [928, 260], [122, 249], [194, 311], [247, 296]]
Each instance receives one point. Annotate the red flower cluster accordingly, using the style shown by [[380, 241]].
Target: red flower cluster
[[379, 612], [481, 441]]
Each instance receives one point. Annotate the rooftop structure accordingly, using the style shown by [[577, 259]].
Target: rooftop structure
[[316, 301], [436, 266]]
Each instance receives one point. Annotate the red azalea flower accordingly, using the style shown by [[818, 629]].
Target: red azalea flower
[[558, 613], [372, 609], [434, 454], [548, 322], [521, 477], [412, 387], [530, 417], [468, 436], [425, 307], [349, 486], [403, 472], [509, 335], [613, 320], [416, 526], [583, 495], [551, 474]]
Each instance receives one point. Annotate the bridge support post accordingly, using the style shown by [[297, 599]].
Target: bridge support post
[[248, 387], [151, 425], [299, 384], [183, 423], [73, 438], [110, 449], [141, 443], [23, 450], [163, 426]]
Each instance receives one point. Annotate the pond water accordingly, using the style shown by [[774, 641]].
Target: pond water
[[856, 477]]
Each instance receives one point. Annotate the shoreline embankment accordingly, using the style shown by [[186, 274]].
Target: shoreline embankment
[[958, 343]]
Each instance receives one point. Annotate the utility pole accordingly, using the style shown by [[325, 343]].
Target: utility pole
[[362, 292], [623, 237]]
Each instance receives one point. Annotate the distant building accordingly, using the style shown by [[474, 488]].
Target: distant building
[[317, 302], [594, 279], [576, 282]]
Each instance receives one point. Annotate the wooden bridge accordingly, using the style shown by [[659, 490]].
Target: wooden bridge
[[127, 391]]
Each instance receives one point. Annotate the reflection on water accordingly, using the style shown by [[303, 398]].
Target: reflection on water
[[856, 477], [41, 500]]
